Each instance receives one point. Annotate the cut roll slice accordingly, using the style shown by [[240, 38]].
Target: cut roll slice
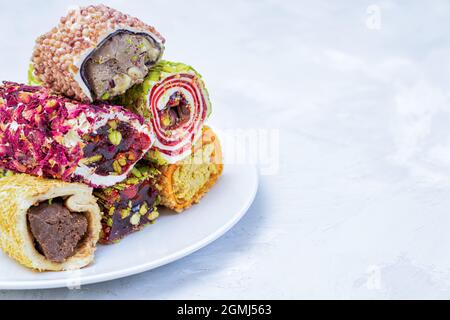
[[96, 53], [45, 135], [175, 100], [48, 225], [129, 206], [187, 182]]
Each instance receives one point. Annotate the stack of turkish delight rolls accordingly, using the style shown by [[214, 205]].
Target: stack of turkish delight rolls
[[104, 133]]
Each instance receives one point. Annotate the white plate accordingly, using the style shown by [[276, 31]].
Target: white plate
[[170, 238]]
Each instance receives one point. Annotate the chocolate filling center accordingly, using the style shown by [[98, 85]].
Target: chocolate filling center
[[57, 231], [176, 113], [120, 61]]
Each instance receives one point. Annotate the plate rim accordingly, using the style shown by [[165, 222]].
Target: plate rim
[[144, 267]]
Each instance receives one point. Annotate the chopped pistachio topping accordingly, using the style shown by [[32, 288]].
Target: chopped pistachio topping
[[122, 162], [125, 213], [144, 209], [135, 219], [154, 215], [115, 137], [116, 166], [120, 186], [133, 181], [92, 159], [113, 124], [136, 173]]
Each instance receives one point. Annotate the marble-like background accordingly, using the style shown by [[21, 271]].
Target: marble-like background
[[360, 206]]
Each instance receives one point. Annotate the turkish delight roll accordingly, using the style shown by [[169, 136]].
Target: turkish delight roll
[[48, 225], [175, 100], [129, 206], [96, 53], [45, 135], [185, 183]]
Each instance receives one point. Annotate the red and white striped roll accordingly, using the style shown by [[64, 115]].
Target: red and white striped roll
[[175, 100]]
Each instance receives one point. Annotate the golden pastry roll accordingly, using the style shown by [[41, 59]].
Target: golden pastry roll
[[48, 225], [185, 183]]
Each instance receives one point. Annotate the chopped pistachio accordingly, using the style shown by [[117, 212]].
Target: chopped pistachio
[[92, 159], [154, 172], [113, 124], [154, 76], [135, 219], [115, 137], [109, 222], [136, 173], [117, 168], [144, 170], [106, 96], [132, 181], [144, 209], [122, 162], [120, 186], [111, 211], [125, 213], [154, 215]]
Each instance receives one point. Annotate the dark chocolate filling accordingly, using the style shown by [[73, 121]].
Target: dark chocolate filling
[[57, 232], [176, 113], [109, 157], [106, 69]]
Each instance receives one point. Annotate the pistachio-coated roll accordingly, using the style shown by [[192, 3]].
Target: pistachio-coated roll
[[187, 182], [175, 100], [45, 135], [48, 225], [129, 206], [96, 53]]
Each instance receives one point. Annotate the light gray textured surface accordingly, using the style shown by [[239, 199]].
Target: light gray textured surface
[[359, 92]]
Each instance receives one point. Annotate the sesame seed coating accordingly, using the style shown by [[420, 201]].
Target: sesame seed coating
[[57, 53]]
